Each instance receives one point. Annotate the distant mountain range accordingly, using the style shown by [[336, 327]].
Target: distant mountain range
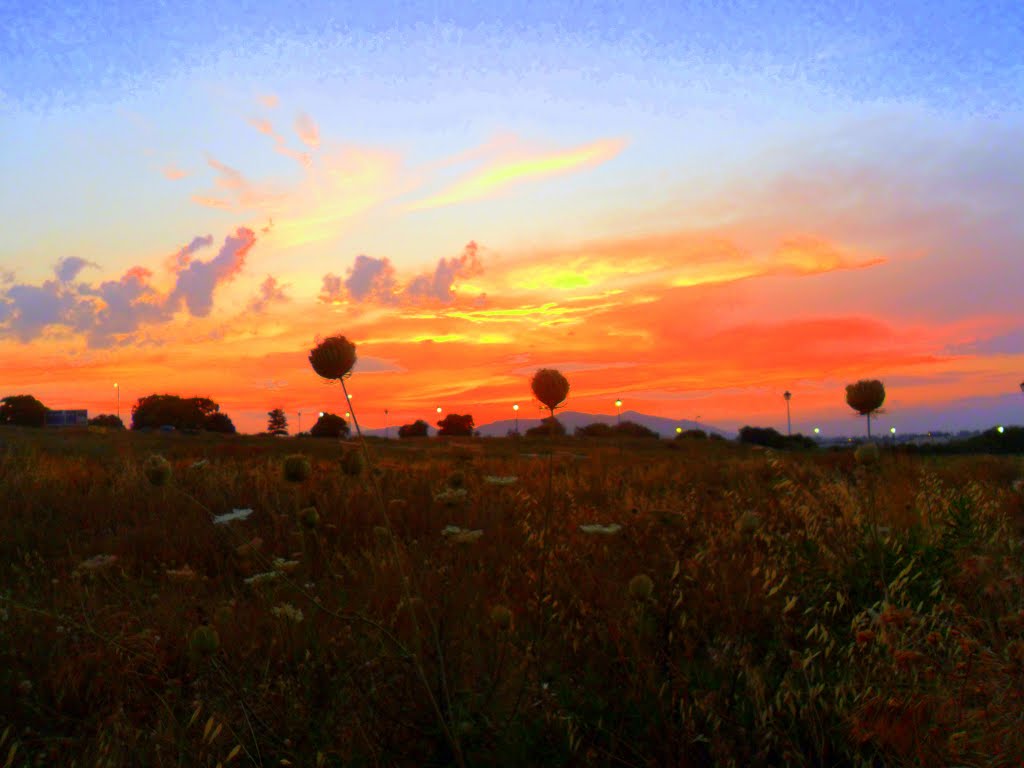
[[573, 419]]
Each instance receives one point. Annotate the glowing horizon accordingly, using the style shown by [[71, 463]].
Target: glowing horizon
[[695, 229]]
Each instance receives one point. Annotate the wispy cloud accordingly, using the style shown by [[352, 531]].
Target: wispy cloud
[[307, 130], [505, 173], [173, 173]]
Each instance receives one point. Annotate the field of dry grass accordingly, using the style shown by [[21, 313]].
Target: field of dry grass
[[646, 604]]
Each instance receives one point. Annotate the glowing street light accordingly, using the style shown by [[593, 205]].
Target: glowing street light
[[348, 415], [679, 430], [789, 425], [1000, 429], [817, 431], [618, 411], [516, 409], [321, 414]]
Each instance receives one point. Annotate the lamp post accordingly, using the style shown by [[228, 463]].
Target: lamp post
[[516, 409], [679, 430], [118, 389], [300, 423], [789, 425], [618, 412], [387, 429]]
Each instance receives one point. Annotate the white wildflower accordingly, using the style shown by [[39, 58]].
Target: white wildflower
[[259, 578], [235, 514], [182, 574], [494, 480], [285, 566], [451, 495], [97, 563], [287, 611], [461, 535], [604, 530]]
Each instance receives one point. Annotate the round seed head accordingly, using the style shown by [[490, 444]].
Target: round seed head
[[157, 469], [352, 463], [641, 586], [333, 357], [296, 468], [501, 616], [867, 454], [550, 387], [309, 517]]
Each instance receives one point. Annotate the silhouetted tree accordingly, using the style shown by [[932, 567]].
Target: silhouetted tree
[[108, 420], [330, 425], [418, 428], [154, 411], [454, 425], [22, 411], [866, 397], [219, 422], [548, 427], [277, 422]]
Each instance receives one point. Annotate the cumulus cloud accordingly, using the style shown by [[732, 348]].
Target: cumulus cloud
[[68, 269], [372, 279], [196, 283], [114, 310], [438, 285], [270, 292]]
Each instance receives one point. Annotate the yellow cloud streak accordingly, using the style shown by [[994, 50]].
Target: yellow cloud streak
[[492, 179]]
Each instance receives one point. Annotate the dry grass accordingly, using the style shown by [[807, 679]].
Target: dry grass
[[804, 610]]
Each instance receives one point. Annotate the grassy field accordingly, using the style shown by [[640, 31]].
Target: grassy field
[[627, 604]]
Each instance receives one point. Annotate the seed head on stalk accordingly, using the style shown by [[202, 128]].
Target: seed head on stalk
[[333, 357], [550, 387]]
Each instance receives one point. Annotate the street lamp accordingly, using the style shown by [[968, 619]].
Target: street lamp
[[1000, 429], [118, 400], [789, 424], [679, 430], [387, 428], [618, 411], [516, 409], [300, 422], [817, 431]]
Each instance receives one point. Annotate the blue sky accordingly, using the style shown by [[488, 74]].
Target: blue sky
[[676, 174]]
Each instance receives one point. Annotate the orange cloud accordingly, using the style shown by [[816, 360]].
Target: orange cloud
[[173, 173], [307, 130], [502, 174]]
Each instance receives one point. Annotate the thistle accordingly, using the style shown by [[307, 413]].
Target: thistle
[[352, 463], [333, 357]]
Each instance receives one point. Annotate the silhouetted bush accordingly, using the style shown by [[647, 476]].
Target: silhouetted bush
[[632, 429], [108, 420], [770, 438], [418, 428], [548, 427], [22, 411], [692, 434], [596, 429], [330, 425]]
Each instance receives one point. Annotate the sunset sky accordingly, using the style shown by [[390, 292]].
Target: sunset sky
[[691, 206]]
